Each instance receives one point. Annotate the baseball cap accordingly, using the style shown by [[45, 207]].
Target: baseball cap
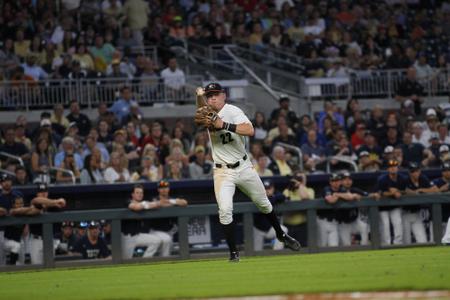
[[163, 184], [431, 112], [199, 148], [335, 177], [388, 149], [82, 224], [363, 153], [413, 166], [46, 122], [267, 183], [5, 177], [446, 166], [212, 88], [283, 97], [67, 224], [392, 163], [42, 187], [346, 174], [92, 224], [443, 148]]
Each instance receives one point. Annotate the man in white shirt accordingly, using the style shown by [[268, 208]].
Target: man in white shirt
[[174, 80]]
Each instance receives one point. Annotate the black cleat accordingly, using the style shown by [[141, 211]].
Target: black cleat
[[234, 257], [290, 242]]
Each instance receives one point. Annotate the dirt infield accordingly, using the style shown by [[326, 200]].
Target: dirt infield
[[354, 295]]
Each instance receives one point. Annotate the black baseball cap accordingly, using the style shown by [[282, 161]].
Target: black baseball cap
[[42, 187], [213, 87], [413, 166], [335, 177], [267, 183]]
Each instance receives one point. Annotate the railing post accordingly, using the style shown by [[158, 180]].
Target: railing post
[[436, 217], [183, 237], [248, 234], [48, 251], [389, 85], [116, 240], [311, 223], [374, 220]]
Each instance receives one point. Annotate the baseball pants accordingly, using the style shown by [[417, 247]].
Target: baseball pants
[[37, 249], [11, 246], [446, 237], [259, 237], [413, 223], [2, 251], [386, 218], [129, 242], [247, 180], [166, 242], [328, 233]]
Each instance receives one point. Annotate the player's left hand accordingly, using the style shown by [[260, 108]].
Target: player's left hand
[[206, 117]]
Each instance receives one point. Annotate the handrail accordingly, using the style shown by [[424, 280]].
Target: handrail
[[296, 149], [15, 157], [251, 73], [341, 158], [8, 172], [74, 179]]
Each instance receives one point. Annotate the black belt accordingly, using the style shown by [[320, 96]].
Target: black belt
[[232, 166]]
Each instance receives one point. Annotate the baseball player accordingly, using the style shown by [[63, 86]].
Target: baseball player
[[92, 245], [136, 232], [443, 183], [41, 201], [227, 127], [326, 218]]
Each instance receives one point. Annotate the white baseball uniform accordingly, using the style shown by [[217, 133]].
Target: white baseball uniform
[[233, 167]]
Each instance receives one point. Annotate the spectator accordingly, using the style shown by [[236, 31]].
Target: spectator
[[285, 111], [116, 172], [42, 202], [136, 15], [102, 53], [66, 239], [68, 164], [444, 137], [174, 80], [367, 164], [68, 146], [412, 152], [31, 69], [91, 145], [12, 147], [424, 72], [92, 173], [443, 182], [314, 156], [295, 222], [284, 136], [92, 245], [200, 167], [22, 177], [104, 133], [411, 89], [122, 107], [135, 233], [83, 57], [279, 164], [417, 183], [391, 185], [419, 136], [343, 150], [260, 126], [59, 121], [126, 40], [275, 132], [331, 111], [149, 170], [21, 45], [262, 229], [261, 166], [41, 158], [82, 121], [357, 138]]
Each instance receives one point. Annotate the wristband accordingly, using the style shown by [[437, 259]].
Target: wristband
[[229, 126], [173, 201], [145, 204]]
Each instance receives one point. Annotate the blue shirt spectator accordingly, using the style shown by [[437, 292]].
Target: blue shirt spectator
[[121, 108]]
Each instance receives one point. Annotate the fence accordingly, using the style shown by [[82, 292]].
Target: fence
[[28, 95], [247, 209]]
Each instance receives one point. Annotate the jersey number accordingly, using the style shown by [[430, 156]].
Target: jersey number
[[226, 138]]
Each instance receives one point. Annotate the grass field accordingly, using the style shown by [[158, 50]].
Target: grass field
[[385, 270]]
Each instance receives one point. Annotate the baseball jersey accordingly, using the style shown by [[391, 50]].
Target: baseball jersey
[[384, 182], [90, 251], [228, 147], [424, 182]]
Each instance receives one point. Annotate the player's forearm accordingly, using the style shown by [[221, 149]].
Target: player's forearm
[[242, 129]]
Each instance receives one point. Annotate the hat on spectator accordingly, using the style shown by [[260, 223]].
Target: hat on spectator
[[408, 103], [446, 166], [335, 177], [163, 184], [268, 183], [392, 163], [5, 177], [431, 113], [42, 187], [46, 122], [67, 224], [115, 61], [413, 166], [94, 224], [199, 148], [346, 174], [212, 88], [443, 148], [283, 97], [363, 153], [388, 149]]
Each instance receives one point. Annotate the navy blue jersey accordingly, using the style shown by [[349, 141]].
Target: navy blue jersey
[[384, 183], [424, 182], [90, 251], [439, 182], [67, 244], [260, 220], [329, 214], [6, 201]]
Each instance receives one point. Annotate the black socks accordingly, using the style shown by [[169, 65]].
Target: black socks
[[229, 236], [272, 217]]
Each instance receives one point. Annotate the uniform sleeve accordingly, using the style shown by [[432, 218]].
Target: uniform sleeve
[[327, 191], [425, 182], [104, 251], [239, 116], [381, 185]]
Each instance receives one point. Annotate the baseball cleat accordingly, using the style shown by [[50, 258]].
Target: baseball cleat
[[234, 257], [290, 242]]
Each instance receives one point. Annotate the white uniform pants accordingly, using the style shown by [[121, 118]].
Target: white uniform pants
[[149, 240], [386, 218], [247, 180], [11, 246], [165, 242], [37, 249], [259, 237], [413, 223], [357, 227], [328, 233], [2, 252], [446, 237]]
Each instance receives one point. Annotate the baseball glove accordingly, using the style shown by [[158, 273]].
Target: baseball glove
[[205, 116]]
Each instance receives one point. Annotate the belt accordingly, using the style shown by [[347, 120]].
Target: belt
[[232, 166]]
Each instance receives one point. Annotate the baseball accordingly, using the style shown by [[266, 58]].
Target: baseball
[[200, 91]]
